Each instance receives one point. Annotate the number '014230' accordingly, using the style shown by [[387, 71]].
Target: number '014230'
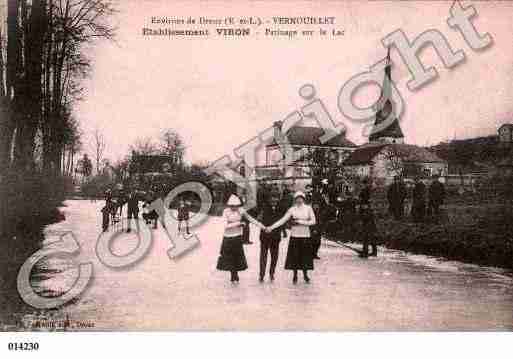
[[23, 346]]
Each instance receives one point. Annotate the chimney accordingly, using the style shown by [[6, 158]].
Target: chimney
[[277, 131]]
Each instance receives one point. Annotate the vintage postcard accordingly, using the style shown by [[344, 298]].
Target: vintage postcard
[[255, 166]]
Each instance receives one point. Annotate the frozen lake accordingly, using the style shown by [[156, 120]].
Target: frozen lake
[[395, 291]]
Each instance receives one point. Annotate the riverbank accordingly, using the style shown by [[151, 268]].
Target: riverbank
[[19, 242], [478, 235]]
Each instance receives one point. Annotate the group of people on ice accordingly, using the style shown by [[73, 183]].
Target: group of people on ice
[[302, 216], [306, 216], [114, 204], [311, 215]]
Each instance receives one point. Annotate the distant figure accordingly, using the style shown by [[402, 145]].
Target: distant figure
[[418, 209], [287, 198], [368, 230], [149, 216], [270, 242], [365, 193], [245, 229], [319, 206], [133, 209], [183, 216], [299, 252], [121, 198], [286, 201], [108, 196], [105, 217], [232, 257], [396, 195], [436, 197], [347, 216]]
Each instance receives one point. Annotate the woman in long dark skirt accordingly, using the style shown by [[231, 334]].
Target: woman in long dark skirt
[[299, 253], [232, 258]]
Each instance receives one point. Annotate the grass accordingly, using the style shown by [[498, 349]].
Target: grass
[[480, 233]]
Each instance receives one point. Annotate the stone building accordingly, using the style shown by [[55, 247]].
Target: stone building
[[300, 140]]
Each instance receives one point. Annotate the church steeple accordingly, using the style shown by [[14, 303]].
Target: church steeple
[[389, 132]]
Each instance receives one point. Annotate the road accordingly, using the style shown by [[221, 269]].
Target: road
[[395, 291]]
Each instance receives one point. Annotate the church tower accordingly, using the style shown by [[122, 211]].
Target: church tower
[[381, 132]]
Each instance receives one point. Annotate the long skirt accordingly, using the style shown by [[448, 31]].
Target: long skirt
[[232, 258], [299, 254]]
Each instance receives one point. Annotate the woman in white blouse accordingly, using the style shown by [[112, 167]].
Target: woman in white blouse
[[232, 258], [299, 253]]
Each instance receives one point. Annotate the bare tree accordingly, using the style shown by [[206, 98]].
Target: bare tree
[[144, 146], [173, 146], [99, 148], [324, 164], [394, 160]]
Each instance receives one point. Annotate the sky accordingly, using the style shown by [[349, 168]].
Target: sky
[[220, 92]]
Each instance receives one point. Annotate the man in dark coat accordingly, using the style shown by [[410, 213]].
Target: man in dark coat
[[418, 209], [347, 213], [396, 195], [106, 217], [133, 208], [368, 230], [270, 242], [436, 197]]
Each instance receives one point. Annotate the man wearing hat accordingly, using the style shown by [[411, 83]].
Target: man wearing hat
[[347, 213], [418, 200], [367, 221], [436, 197], [396, 195]]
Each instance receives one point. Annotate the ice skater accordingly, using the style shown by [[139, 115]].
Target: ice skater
[[299, 252], [232, 257], [270, 241], [133, 209], [183, 216]]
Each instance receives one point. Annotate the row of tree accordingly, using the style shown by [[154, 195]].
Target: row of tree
[[42, 64]]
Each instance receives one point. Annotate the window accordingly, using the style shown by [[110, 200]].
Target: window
[[274, 156]]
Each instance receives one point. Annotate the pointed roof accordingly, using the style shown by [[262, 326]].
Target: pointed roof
[[384, 107]]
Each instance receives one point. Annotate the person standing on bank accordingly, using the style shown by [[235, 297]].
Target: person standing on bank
[[232, 258], [368, 230], [299, 252], [396, 195], [270, 241], [436, 197], [418, 207]]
